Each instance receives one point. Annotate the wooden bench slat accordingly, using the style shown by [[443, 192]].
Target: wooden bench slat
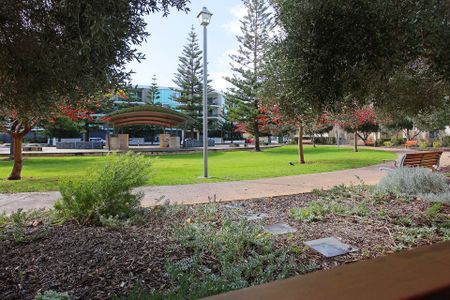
[[435, 162], [423, 159], [421, 162], [416, 161]]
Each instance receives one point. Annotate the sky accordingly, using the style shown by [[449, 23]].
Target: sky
[[168, 36]]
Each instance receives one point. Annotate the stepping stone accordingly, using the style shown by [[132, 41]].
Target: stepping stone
[[279, 228], [254, 217], [330, 246]]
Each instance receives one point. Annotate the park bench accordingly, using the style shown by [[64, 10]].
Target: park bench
[[425, 159], [411, 143]]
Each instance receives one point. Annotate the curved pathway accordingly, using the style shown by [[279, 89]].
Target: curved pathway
[[222, 191]]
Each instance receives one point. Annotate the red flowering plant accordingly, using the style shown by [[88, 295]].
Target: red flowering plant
[[317, 125], [360, 121], [240, 128], [69, 119], [269, 121]]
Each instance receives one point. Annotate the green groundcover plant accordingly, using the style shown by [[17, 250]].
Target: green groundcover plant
[[105, 194], [225, 254], [51, 295]]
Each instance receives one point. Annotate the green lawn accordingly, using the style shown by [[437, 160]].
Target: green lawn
[[43, 173]]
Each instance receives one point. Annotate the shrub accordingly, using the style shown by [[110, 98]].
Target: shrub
[[396, 141], [413, 182], [423, 144], [446, 141], [437, 197], [437, 144], [379, 143], [52, 295], [387, 144], [106, 193]]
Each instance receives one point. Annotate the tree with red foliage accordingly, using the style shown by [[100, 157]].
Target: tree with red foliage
[[269, 121], [77, 116], [317, 125], [359, 121]]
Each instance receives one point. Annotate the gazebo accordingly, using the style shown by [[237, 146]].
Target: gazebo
[[145, 115]]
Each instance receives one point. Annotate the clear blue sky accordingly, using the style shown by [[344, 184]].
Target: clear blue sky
[[168, 36]]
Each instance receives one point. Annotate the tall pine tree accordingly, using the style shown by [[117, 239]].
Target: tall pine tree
[[243, 96], [153, 92], [189, 80]]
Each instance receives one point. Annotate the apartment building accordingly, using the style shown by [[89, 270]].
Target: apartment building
[[168, 95]]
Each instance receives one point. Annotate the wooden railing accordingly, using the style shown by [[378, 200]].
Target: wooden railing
[[422, 273]]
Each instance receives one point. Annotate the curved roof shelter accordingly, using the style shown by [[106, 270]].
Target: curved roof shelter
[[147, 115]]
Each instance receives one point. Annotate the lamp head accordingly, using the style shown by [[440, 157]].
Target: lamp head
[[204, 17]]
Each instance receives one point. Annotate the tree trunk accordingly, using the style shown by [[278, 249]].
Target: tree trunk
[[314, 140], [301, 154], [192, 133], [87, 136], [18, 161], [356, 142], [11, 150], [257, 146]]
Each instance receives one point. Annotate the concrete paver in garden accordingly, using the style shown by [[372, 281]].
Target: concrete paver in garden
[[279, 228]]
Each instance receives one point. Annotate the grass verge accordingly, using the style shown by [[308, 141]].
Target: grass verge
[[44, 173]]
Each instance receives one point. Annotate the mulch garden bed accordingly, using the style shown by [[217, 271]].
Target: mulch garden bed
[[101, 262], [445, 170], [90, 262]]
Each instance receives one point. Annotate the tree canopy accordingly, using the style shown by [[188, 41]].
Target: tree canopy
[[346, 50], [52, 51], [68, 49], [189, 81], [243, 97]]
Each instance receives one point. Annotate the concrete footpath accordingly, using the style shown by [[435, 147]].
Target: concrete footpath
[[221, 191]]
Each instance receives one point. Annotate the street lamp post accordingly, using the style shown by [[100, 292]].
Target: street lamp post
[[205, 17]]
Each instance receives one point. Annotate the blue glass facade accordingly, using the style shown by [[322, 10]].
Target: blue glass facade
[[167, 96]]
